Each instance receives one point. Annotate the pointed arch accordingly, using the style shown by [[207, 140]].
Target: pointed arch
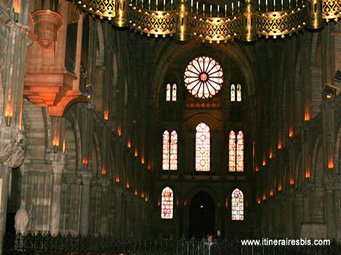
[[237, 202], [174, 92], [239, 93], [202, 148], [240, 152], [167, 198], [173, 165], [165, 150], [233, 93], [232, 151], [168, 92]]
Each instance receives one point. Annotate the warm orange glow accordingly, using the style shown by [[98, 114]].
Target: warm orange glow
[[257, 168], [291, 132], [264, 162], [330, 162], [129, 143], [117, 179], [106, 115], [136, 192], [292, 181], [307, 173], [146, 199], [64, 148], [279, 145], [227, 203], [136, 153], [158, 203], [17, 6], [142, 160], [307, 114], [85, 161], [258, 201], [280, 187], [270, 154], [142, 195], [271, 193], [119, 132], [149, 167], [127, 185], [185, 202], [9, 110], [264, 197], [104, 171], [55, 141]]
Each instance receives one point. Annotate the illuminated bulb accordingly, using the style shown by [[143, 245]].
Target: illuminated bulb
[[158, 203], [330, 162], [291, 132], [270, 154], [307, 114], [127, 185], [264, 197], [136, 153], [136, 192], [227, 203], [279, 187], [264, 162], [307, 173], [271, 193], [106, 115], [279, 145], [119, 132], [142, 160], [104, 171], [292, 181], [117, 179], [257, 168], [258, 201], [146, 199], [142, 195], [129, 143]]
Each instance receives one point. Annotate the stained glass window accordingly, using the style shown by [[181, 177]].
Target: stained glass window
[[240, 152], [168, 92], [174, 150], [233, 93], [167, 203], [202, 148], [239, 93], [165, 151], [203, 77], [237, 201], [174, 92], [236, 152], [232, 151], [170, 150]]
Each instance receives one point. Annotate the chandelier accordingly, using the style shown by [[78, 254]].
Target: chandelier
[[190, 19]]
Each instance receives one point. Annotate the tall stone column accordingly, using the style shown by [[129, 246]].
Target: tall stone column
[[11, 156], [58, 166], [104, 224], [118, 212], [330, 205], [299, 214], [85, 206]]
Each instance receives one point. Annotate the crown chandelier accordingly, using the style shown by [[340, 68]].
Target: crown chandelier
[[213, 22]]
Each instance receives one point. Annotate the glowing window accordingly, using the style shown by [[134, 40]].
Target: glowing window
[[203, 77], [237, 201], [165, 151], [173, 150], [167, 203], [168, 92], [232, 151], [202, 148], [240, 152], [236, 152], [170, 150], [233, 93], [174, 92], [239, 93]]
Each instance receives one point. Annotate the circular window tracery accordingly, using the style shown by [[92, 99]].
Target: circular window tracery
[[203, 77]]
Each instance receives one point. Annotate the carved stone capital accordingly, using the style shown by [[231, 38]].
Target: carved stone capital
[[86, 177], [58, 163], [12, 152]]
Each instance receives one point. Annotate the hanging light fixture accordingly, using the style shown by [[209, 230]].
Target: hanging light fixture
[[215, 23]]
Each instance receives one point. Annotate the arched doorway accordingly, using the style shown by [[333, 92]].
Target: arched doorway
[[201, 215]]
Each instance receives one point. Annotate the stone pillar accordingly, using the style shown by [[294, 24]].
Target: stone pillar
[[58, 166], [330, 205], [299, 214], [118, 212], [85, 206], [105, 210], [318, 207], [11, 156]]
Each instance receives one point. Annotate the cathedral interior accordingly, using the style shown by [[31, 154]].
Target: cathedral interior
[[166, 119]]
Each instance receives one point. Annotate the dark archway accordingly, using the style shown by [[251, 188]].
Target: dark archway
[[201, 215]]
